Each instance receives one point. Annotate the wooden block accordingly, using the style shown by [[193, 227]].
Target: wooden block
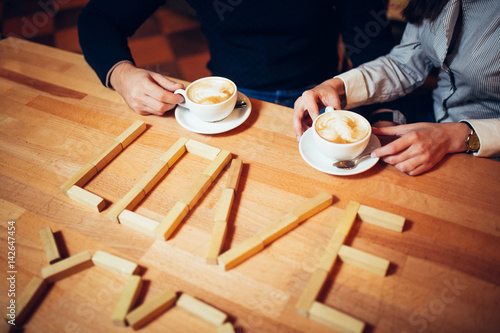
[[293, 219], [311, 291], [114, 264], [151, 309], [153, 176], [106, 155], [219, 162], [174, 152], [67, 267], [138, 222], [233, 179], [278, 228], [348, 218], [224, 205], [202, 310], [49, 245], [129, 201], [80, 178], [381, 218], [335, 319], [196, 190], [127, 300], [131, 133], [86, 198], [170, 222], [240, 253], [312, 206], [202, 149], [226, 328], [28, 299], [363, 260], [216, 242], [328, 259]]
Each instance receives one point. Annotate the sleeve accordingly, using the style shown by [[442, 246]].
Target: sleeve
[[388, 77], [103, 29], [488, 131], [366, 31]]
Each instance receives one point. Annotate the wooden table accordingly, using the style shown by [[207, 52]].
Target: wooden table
[[55, 116]]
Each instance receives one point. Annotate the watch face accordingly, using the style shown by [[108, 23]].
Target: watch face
[[474, 142]]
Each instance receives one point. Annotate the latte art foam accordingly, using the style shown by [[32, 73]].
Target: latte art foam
[[212, 91], [341, 127]]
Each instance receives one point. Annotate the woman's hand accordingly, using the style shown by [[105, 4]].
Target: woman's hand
[[307, 107], [420, 146], [144, 91]]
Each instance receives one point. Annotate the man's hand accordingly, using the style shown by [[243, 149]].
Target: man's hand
[[307, 107], [144, 91], [420, 146]]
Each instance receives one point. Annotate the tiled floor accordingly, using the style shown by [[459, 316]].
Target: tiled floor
[[169, 42]]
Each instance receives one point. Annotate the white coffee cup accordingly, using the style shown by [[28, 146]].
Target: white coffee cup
[[210, 98], [340, 134]]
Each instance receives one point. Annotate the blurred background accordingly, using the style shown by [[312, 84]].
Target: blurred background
[[173, 31]]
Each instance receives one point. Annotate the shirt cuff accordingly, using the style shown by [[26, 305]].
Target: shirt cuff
[[488, 132], [355, 88], [108, 76]]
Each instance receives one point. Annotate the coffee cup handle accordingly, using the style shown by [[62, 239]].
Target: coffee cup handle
[[329, 109], [183, 93]]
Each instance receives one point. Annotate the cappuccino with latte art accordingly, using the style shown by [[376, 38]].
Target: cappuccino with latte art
[[212, 91], [340, 134], [210, 99], [342, 127]]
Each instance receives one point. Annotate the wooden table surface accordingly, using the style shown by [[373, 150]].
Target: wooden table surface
[[55, 116]]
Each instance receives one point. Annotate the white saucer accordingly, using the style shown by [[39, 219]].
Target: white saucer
[[192, 123], [315, 159]]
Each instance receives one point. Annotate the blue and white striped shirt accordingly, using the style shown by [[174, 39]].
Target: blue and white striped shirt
[[469, 81]]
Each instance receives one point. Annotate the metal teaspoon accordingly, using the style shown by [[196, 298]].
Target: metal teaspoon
[[350, 164]]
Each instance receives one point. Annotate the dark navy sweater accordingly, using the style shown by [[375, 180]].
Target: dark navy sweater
[[259, 44]]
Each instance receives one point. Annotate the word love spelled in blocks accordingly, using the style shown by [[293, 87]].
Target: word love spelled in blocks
[[121, 212]]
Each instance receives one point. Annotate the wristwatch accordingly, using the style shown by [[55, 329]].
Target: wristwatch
[[472, 143]]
